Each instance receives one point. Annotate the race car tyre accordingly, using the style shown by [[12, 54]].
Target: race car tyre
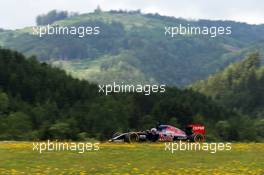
[[198, 138], [132, 137]]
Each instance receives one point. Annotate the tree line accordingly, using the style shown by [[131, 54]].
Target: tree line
[[240, 88], [39, 102]]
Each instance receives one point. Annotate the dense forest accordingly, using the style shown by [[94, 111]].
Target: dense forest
[[41, 102], [132, 47], [51, 17], [240, 87]]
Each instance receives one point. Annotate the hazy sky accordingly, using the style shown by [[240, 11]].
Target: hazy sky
[[21, 13]]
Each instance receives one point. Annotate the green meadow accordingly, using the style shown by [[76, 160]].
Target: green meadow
[[121, 158]]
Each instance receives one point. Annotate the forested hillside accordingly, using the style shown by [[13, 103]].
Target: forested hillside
[[132, 48], [41, 102], [241, 87]]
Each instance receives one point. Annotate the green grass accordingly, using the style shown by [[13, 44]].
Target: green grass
[[18, 158]]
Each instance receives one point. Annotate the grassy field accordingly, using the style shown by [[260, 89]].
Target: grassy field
[[18, 158]]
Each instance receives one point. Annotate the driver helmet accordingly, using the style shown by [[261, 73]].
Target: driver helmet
[[153, 130]]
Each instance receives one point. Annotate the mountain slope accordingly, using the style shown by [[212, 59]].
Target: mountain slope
[[132, 48], [41, 102], [239, 86]]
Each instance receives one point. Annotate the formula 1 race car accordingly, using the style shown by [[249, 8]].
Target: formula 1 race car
[[167, 133]]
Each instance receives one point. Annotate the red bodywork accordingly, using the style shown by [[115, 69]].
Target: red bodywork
[[169, 133], [197, 128]]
